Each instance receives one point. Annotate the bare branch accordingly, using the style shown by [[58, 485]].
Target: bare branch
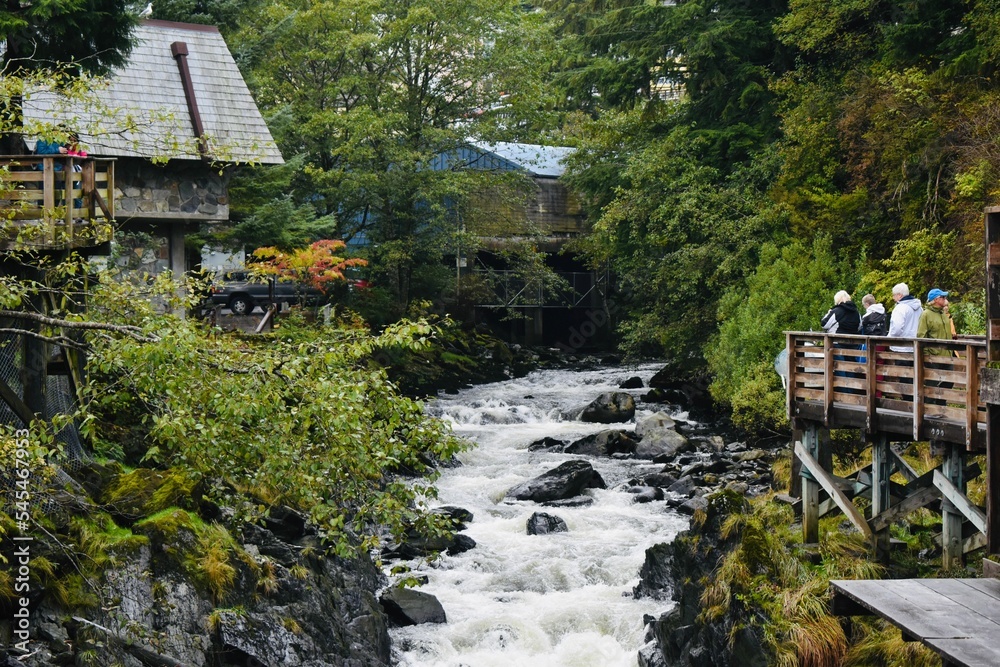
[[133, 332]]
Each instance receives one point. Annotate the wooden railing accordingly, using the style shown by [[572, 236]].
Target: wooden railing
[[923, 389], [55, 201]]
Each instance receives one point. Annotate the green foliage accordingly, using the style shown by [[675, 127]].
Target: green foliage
[[364, 96], [95, 36], [678, 232], [791, 289], [298, 418], [924, 260]]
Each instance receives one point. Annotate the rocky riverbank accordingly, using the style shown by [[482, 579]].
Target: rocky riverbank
[[188, 586]]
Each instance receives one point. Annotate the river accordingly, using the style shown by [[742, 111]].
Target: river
[[556, 600]]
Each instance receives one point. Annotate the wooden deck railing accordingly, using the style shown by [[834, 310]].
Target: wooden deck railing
[[55, 201], [922, 389]]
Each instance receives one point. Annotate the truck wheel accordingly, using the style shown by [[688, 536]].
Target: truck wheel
[[241, 305]]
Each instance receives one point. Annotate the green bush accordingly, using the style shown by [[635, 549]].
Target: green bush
[[791, 289]]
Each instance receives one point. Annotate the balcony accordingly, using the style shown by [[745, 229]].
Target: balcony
[[55, 202]]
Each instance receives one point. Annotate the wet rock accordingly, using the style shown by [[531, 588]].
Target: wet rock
[[578, 501], [662, 480], [685, 486], [418, 546], [565, 481], [405, 606], [650, 655], [547, 444], [604, 443], [645, 494], [692, 505], [285, 523], [634, 382], [655, 422], [541, 523], [609, 408], [661, 446], [459, 515], [655, 575]]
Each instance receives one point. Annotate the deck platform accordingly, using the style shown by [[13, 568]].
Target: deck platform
[[957, 618]]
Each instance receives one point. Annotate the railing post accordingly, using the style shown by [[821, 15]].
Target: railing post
[[918, 388], [827, 379]]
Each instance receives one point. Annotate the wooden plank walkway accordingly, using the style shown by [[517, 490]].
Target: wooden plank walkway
[[957, 618]]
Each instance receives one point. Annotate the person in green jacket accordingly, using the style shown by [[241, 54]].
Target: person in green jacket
[[935, 322]]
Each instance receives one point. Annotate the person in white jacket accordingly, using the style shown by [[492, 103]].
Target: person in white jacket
[[905, 316]]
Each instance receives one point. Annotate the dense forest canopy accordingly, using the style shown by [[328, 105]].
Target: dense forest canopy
[[740, 161]]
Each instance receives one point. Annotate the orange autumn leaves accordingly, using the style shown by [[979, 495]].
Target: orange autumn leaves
[[319, 265]]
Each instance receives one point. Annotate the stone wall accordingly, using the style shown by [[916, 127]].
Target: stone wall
[[179, 190]]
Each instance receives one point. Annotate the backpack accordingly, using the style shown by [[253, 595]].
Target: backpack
[[874, 324]]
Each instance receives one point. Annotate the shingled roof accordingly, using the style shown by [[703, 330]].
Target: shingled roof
[[150, 89]]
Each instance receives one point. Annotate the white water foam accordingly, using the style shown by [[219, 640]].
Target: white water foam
[[557, 600]]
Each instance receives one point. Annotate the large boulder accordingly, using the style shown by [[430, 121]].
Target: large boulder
[[604, 443], [661, 446], [609, 408], [565, 481], [656, 422], [541, 523], [405, 606]]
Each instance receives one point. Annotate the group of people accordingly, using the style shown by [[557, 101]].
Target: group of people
[[909, 319]]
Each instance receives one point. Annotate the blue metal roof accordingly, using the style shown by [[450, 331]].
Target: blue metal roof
[[548, 161]]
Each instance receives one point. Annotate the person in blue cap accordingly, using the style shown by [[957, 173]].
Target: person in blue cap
[[935, 322]]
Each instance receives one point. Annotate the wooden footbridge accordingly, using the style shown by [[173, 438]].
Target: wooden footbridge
[[904, 390]]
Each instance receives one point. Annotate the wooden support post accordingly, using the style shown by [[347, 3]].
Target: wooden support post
[[810, 487], [951, 518], [881, 472]]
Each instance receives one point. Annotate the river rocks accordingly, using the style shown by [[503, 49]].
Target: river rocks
[[405, 606], [609, 408], [541, 523], [565, 481], [604, 443], [671, 385], [634, 382]]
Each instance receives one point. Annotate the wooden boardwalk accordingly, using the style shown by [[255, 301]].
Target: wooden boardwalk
[[957, 618]]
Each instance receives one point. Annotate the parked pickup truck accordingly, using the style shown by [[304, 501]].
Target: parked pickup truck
[[241, 295]]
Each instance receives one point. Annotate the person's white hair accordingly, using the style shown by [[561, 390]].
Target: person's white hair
[[901, 289], [841, 297]]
